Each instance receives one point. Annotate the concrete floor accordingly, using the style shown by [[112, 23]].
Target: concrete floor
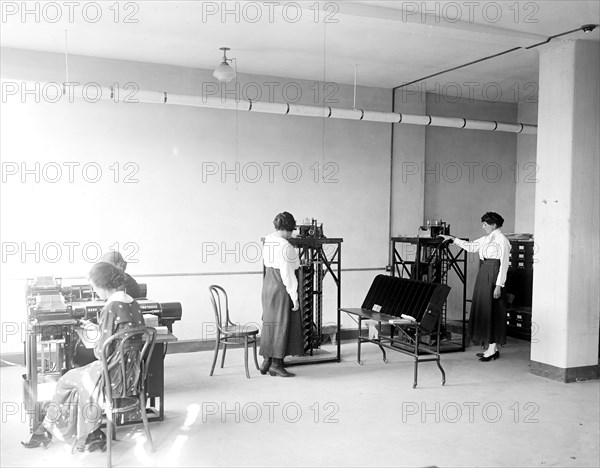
[[343, 414]]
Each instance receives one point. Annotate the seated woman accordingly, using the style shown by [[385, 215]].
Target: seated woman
[[75, 413], [81, 354]]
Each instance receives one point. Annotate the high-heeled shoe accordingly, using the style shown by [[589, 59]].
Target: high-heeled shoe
[[278, 369], [97, 444], [494, 356], [95, 441], [38, 439], [264, 367]]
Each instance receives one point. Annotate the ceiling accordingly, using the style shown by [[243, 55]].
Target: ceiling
[[387, 43]]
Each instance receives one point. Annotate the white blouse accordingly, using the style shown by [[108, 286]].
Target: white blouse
[[279, 253], [493, 246]]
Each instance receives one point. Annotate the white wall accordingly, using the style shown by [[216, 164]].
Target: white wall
[[175, 211], [185, 229], [469, 172]]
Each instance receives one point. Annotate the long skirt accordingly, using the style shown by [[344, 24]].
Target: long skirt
[[82, 356], [487, 321], [281, 333], [76, 407]]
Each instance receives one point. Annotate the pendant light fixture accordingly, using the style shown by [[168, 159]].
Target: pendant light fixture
[[224, 72]]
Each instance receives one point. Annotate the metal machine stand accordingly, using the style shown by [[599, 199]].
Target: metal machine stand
[[318, 257], [50, 342], [433, 260]]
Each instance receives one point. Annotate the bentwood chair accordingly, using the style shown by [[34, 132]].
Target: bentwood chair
[[229, 332], [124, 384]]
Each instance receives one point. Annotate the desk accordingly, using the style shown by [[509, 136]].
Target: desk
[[413, 308], [156, 377], [59, 335]]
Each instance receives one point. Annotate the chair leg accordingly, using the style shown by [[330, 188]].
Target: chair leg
[[358, 340], [217, 343], [416, 358], [111, 433], [416, 371], [223, 355], [246, 356], [255, 358], [441, 370], [73, 445], [146, 424]]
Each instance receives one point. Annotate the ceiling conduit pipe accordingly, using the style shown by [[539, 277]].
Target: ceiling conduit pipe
[[212, 102]]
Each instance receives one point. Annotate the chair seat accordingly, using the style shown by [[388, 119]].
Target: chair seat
[[239, 330], [125, 404]]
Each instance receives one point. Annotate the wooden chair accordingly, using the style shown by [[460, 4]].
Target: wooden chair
[[229, 332], [131, 345]]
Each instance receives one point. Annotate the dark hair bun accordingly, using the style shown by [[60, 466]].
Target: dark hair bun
[[107, 276], [493, 218], [284, 222]]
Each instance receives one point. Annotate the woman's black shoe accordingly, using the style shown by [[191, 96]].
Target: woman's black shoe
[[494, 356], [479, 355], [277, 368], [98, 444], [38, 439], [95, 441], [280, 371], [264, 367]]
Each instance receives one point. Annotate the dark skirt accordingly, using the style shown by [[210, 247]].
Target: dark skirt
[[281, 333], [487, 321], [81, 356]]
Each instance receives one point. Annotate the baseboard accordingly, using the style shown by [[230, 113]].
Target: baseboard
[[566, 375], [192, 346], [175, 347]]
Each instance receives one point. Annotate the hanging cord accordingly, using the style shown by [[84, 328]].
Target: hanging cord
[[321, 169], [354, 104], [66, 62], [237, 118], [237, 97]]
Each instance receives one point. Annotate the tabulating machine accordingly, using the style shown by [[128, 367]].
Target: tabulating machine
[[53, 314], [433, 228], [310, 229]]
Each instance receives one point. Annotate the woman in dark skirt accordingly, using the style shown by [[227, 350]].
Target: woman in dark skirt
[[487, 321], [281, 333]]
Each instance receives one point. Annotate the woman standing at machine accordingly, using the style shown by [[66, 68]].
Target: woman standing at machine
[[487, 320], [281, 333], [75, 413]]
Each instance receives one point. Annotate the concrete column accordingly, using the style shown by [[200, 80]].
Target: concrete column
[[566, 301]]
